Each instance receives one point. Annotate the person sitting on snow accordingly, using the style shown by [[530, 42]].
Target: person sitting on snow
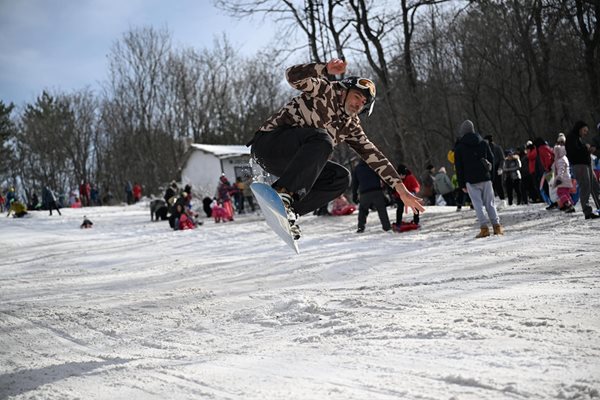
[[341, 206], [17, 208]]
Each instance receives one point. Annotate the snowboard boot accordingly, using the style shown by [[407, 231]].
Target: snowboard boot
[[484, 232], [498, 229], [291, 215]]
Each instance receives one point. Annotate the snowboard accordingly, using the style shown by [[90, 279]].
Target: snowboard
[[273, 209]]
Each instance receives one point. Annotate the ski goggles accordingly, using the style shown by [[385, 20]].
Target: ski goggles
[[366, 84]]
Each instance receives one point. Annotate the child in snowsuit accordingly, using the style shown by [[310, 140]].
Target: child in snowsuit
[[562, 176]]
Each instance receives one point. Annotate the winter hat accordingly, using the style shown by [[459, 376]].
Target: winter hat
[[442, 169], [467, 127], [402, 170], [528, 144], [561, 138]]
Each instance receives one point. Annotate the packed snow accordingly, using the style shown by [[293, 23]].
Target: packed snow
[[133, 310]]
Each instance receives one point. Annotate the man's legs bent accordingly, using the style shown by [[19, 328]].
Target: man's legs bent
[[295, 155], [330, 184], [299, 157]]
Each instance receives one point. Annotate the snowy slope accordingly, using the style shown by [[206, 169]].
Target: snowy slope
[[133, 310]]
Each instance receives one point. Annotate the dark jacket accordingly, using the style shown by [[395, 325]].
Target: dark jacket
[[469, 157], [364, 179], [577, 151], [48, 196]]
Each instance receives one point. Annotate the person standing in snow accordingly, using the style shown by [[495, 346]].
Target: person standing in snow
[[541, 158], [412, 185], [49, 200], [443, 186], [474, 167], [580, 160], [497, 181], [367, 192], [512, 172], [296, 143], [562, 175]]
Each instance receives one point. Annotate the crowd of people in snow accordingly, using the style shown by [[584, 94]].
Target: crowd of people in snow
[[560, 174]]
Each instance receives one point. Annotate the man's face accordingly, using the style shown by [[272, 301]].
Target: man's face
[[584, 131], [355, 101]]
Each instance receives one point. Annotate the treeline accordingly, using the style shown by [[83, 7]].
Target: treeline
[[518, 69]]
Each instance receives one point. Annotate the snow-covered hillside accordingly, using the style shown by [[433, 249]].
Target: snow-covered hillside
[[133, 310]]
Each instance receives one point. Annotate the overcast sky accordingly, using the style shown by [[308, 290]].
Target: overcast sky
[[62, 44]]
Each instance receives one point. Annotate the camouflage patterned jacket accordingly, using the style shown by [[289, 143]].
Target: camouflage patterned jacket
[[320, 106]]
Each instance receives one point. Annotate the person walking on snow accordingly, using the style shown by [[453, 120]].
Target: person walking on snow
[[580, 160], [296, 142], [474, 168], [367, 191]]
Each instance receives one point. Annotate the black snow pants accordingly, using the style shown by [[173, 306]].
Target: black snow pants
[[300, 158]]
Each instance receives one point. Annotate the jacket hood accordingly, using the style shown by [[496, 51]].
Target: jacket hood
[[471, 139], [560, 151]]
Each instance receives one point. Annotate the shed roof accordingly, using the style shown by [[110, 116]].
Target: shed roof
[[223, 150]]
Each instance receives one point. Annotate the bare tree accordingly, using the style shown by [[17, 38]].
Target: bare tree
[[584, 17]]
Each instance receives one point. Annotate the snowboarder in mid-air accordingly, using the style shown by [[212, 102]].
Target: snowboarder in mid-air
[[295, 143]]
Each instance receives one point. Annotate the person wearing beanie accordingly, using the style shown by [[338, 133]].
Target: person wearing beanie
[[474, 162], [561, 139], [581, 165]]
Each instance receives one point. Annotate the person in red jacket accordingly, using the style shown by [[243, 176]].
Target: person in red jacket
[[412, 185], [137, 192], [541, 158]]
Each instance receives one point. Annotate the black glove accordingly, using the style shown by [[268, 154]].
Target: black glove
[[355, 199]]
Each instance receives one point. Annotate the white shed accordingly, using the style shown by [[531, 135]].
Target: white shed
[[205, 163]]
